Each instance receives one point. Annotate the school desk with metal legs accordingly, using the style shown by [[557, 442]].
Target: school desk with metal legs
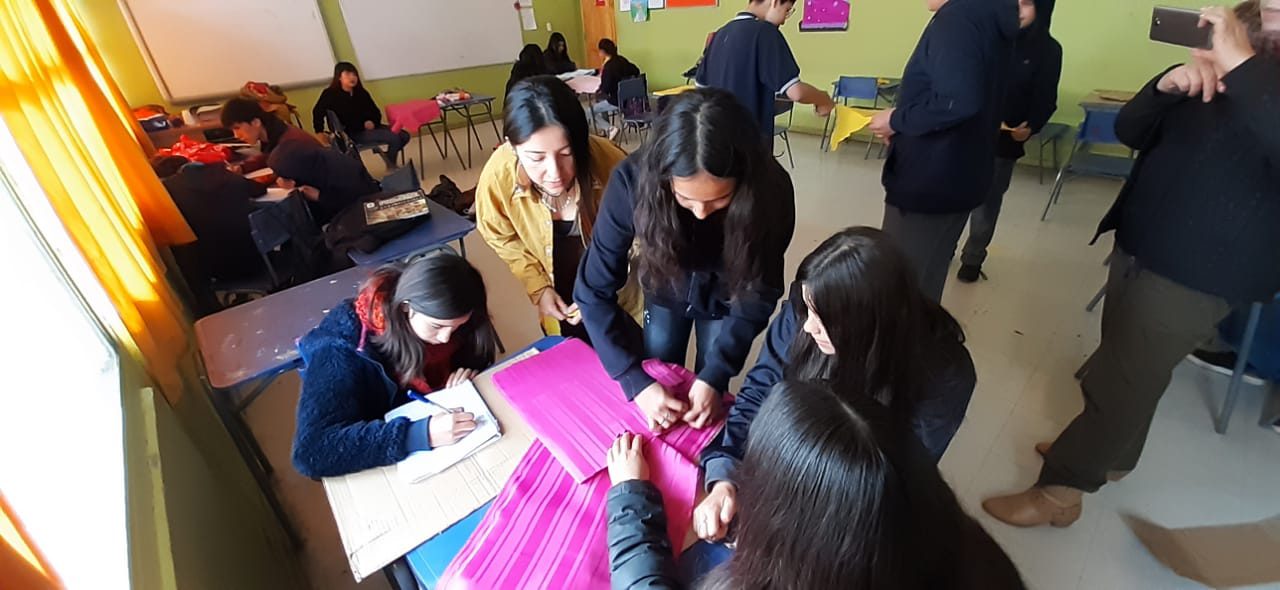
[[463, 109]]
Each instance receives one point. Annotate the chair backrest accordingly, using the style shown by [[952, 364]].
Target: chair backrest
[[1099, 128], [403, 180], [341, 141], [633, 95], [856, 88], [782, 106], [276, 225]]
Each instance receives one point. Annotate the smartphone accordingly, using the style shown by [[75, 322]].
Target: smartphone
[[1180, 26]]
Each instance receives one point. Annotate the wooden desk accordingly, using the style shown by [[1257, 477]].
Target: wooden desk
[[1106, 100]]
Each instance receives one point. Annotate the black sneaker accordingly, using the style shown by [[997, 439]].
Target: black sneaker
[[1222, 363], [969, 273]]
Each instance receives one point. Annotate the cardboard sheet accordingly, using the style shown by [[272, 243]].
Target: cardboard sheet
[[1222, 556], [380, 517]]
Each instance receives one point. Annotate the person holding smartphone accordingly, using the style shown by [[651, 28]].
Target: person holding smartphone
[[1195, 233]]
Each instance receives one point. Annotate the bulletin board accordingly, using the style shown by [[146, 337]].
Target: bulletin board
[[691, 3], [825, 15]]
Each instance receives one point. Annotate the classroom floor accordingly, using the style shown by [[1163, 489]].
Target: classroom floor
[[1028, 332]]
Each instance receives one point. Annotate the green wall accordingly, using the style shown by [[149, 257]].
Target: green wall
[[110, 32], [1104, 42]]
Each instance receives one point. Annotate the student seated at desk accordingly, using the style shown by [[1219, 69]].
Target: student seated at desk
[[330, 180], [358, 114], [419, 329], [855, 320], [557, 56], [615, 69], [537, 198], [711, 214], [837, 495], [216, 203], [529, 64], [254, 126]]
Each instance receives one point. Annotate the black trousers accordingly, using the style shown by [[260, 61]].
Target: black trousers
[[1149, 323]]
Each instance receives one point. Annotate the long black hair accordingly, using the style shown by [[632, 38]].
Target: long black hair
[[339, 69], [546, 101], [863, 290], [443, 285], [835, 495], [706, 130], [553, 45]]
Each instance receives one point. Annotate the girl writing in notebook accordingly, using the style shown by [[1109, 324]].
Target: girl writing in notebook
[[836, 495], [537, 198], [856, 321], [414, 329], [711, 214]]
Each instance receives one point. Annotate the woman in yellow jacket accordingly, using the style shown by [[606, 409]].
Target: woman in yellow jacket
[[537, 199]]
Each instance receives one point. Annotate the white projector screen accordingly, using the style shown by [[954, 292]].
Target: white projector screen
[[199, 49], [405, 37]]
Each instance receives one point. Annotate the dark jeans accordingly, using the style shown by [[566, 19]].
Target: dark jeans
[[1149, 323], [667, 331], [982, 221], [929, 243], [395, 141]]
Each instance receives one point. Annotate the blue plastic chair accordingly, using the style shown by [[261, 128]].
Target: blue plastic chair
[[1256, 337], [1098, 128], [846, 90], [633, 102], [782, 106]]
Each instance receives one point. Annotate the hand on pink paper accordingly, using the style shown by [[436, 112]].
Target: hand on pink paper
[[661, 409], [704, 405], [626, 459]]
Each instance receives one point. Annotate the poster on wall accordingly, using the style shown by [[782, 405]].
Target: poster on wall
[[639, 11], [691, 3], [625, 5], [825, 15]]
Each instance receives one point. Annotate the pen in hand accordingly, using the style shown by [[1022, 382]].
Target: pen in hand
[[422, 398]]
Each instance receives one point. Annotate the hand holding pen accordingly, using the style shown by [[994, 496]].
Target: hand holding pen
[[449, 426]]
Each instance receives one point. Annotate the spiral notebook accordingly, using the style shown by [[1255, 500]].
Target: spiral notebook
[[420, 466]]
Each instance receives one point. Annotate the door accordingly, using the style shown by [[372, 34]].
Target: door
[[598, 23]]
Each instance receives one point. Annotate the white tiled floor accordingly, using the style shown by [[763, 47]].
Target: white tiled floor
[[1028, 332]]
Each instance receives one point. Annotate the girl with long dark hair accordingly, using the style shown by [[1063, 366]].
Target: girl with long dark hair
[[416, 329], [711, 214], [557, 55], [537, 198], [359, 115], [856, 321], [836, 495], [530, 63]]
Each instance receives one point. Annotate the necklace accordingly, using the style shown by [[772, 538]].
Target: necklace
[[557, 202]]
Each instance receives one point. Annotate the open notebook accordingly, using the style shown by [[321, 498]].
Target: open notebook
[[421, 465]]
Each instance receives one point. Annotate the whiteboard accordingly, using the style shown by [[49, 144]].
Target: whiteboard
[[404, 37], [199, 49]]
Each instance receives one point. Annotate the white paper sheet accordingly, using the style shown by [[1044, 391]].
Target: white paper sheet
[[419, 466]]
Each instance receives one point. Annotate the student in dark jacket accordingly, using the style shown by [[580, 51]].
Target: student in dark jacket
[[528, 65], [943, 131], [329, 180], [216, 204], [420, 328], [1195, 234], [751, 59], [252, 125], [711, 213], [616, 68], [837, 495], [1029, 101], [856, 321], [359, 116], [557, 55]]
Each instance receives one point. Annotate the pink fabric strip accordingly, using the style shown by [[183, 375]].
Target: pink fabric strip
[[544, 530], [576, 410]]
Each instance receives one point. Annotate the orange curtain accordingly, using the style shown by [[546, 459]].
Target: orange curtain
[[21, 565], [77, 134]]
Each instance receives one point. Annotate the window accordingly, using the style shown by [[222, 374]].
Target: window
[[61, 421]]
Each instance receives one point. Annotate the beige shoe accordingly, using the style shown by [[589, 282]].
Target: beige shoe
[[1037, 506], [1042, 448]]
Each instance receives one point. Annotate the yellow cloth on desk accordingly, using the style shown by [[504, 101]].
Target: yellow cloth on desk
[[674, 91], [848, 121]]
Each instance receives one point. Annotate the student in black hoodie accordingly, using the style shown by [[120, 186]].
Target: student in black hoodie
[[1195, 233], [1030, 100], [360, 116], [615, 69], [557, 55], [943, 131], [528, 65], [710, 214]]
